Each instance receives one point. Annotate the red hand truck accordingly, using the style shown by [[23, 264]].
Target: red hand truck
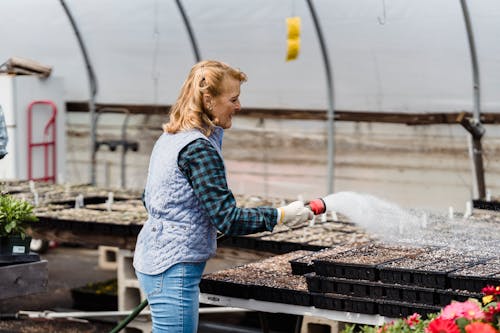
[[49, 142]]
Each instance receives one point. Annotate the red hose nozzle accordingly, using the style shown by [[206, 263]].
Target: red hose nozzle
[[317, 206]]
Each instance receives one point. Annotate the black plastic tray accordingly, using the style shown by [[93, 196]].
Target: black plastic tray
[[344, 303], [345, 270], [370, 289], [476, 277], [445, 297], [395, 275], [472, 283], [489, 205], [279, 295], [225, 288], [395, 309], [300, 267], [425, 276]]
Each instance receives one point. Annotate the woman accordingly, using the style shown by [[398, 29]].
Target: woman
[[188, 199]]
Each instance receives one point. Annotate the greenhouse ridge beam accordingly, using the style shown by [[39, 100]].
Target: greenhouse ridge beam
[[423, 118]]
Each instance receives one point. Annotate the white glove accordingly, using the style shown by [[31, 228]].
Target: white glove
[[295, 214]]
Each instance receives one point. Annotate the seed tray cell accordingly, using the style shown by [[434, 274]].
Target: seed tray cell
[[395, 309], [344, 303]]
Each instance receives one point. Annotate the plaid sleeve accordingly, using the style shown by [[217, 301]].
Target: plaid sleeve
[[202, 165]]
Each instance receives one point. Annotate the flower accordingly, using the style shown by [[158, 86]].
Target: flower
[[441, 325], [490, 312], [478, 327], [458, 317], [470, 309], [413, 320], [491, 290]]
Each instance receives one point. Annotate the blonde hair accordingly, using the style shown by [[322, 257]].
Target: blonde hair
[[189, 112]]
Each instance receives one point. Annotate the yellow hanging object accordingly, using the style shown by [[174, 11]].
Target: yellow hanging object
[[293, 37]]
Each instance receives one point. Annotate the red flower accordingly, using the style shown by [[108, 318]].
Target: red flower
[[491, 290], [490, 312], [479, 327], [440, 325]]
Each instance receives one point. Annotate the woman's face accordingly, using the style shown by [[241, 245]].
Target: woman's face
[[227, 103]]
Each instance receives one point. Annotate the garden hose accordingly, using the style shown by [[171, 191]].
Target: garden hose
[[130, 317]]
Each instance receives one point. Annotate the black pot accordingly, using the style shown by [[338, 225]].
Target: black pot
[[14, 245]]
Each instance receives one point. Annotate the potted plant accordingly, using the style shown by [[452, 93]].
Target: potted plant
[[15, 214]]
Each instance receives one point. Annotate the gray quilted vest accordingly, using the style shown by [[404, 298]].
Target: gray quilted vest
[[178, 228]]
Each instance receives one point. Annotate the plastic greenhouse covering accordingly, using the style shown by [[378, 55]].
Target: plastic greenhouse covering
[[386, 55]]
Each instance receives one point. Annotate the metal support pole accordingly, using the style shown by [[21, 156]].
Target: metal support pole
[[330, 93], [93, 91], [477, 150], [189, 30]]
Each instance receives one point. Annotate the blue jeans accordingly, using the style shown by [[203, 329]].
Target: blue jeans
[[173, 297]]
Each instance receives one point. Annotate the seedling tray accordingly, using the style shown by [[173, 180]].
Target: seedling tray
[[345, 270], [344, 303], [357, 288], [476, 277], [280, 295], [395, 309], [370, 289], [403, 271], [410, 294], [394, 275], [435, 275], [360, 263]]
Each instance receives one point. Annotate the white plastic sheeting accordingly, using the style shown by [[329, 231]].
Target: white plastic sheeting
[[415, 58]]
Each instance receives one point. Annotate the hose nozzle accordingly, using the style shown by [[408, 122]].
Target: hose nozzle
[[317, 206]]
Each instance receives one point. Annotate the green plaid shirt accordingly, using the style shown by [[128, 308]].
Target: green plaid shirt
[[202, 165]]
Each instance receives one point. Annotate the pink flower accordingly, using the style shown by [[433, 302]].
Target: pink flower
[[479, 327], [413, 320], [469, 309], [440, 325]]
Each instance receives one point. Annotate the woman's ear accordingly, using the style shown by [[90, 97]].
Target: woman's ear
[[207, 102]]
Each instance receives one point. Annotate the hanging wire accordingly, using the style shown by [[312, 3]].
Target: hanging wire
[[383, 19]]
